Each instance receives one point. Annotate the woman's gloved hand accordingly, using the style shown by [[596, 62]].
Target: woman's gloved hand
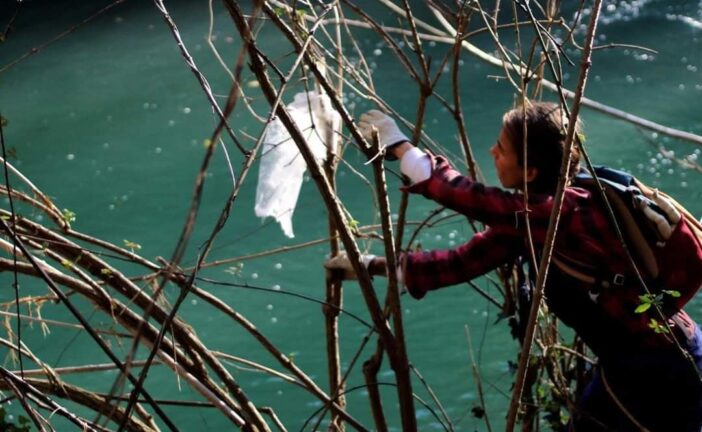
[[376, 266], [341, 263], [389, 134]]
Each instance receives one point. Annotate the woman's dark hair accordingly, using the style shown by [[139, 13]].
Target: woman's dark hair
[[546, 125]]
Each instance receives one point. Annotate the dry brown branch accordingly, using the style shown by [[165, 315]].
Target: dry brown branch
[[123, 315], [477, 378], [252, 416], [87, 399], [553, 224], [463, 20], [60, 323], [370, 373], [589, 103], [392, 299], [48, 206], [116, 280], [322, 52], [56, 38], [37, 269], [284, 361], [23, 388], [37, 419]]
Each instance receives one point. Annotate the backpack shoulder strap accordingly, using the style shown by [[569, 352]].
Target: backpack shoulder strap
[[692, 222], [618, 188]]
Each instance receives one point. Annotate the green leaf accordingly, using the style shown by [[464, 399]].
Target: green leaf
[[66, 263], [643, 307], [672, 293], [653, 324], [646, 298], [131, 245], [540, 392], [68, 216], [106, 271]]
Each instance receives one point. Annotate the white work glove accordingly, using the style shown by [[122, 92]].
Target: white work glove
[[389, 134], [341, 262], [665, 224]]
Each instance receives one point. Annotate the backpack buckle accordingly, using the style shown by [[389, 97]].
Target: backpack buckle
[[618, 279]]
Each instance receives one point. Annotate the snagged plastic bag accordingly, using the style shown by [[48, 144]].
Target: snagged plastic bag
[[282, 166]]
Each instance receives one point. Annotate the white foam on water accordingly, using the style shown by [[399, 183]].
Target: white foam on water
[[622, 11], [629, 10], [692, 22]]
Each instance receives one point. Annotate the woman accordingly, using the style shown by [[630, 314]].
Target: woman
[[643, 381]]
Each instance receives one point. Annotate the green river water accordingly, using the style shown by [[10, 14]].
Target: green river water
[[110, 123]]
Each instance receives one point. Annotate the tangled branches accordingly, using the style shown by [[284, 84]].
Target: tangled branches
[[316, 50]]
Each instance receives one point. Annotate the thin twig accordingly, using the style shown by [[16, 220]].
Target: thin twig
[[478, 380], [392, 299], [64, 299], [58, 37], [553, 225]]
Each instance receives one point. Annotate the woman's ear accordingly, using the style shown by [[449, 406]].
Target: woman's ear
[[531, 174]]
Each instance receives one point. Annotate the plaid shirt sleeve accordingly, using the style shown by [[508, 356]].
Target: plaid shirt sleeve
[[585, 232], [585, 235], [491, 205], [426, 271]]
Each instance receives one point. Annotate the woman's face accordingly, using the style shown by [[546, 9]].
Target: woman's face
[[510, 173]]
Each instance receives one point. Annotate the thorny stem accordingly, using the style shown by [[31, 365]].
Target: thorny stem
[[389, 340], [99, 403], [457, 106], [344, 379], [392, 299], [613, 112], [284, 361], [187, 355], [553, 225], [15, 281], [610, 211], [478, 380], [334, 287], [64, 299], [370, 374], [119, 282], [23, 400], [22, 386], [248, 409], [446, 419], [10, 22]]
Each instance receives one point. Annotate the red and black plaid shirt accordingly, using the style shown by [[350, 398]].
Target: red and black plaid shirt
[[584, 234], [584, 231]]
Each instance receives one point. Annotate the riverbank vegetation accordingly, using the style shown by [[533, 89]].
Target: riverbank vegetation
[[88, 277]]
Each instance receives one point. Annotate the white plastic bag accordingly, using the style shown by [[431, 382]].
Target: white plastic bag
[[282, 166]]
